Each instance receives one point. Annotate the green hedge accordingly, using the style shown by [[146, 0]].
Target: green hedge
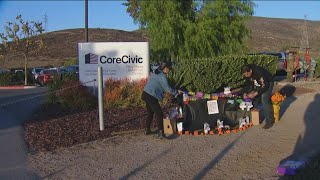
[[212, 74], [7, 79]]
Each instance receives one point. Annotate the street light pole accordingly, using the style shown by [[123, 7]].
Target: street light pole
[[86, 19]]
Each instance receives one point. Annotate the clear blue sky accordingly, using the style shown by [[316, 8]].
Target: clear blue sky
[[112, 14]]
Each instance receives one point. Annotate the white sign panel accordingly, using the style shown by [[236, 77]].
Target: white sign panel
[[213, 107], [118, 60]]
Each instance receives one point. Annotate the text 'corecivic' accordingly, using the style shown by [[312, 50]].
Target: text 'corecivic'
[[124, 59]]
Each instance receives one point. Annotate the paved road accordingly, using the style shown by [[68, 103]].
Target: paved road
[[13, 151]]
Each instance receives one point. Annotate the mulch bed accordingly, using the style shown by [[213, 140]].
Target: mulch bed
[[51, 127]]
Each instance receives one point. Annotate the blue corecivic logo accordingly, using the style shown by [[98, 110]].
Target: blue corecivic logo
[[91, 58]]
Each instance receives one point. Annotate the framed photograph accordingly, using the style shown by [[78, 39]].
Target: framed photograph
[[213, 107]]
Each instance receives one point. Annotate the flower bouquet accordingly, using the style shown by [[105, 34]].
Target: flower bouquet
[[277, 100]]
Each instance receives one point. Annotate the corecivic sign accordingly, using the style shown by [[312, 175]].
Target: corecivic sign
[[118, 60]]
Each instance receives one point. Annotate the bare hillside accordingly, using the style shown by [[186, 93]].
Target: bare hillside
[[271, 34], [268, 34], [63, 45]]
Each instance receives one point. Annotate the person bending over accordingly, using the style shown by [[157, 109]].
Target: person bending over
[[258, 86], [153, 92]]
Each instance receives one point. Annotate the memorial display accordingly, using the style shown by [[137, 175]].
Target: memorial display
[[217, 113]]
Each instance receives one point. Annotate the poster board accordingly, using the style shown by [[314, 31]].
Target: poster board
[[213, 107]]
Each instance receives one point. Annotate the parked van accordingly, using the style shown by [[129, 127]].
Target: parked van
[[282, 61]]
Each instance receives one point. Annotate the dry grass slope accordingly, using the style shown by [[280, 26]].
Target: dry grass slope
[[268, 34], [271, 34]]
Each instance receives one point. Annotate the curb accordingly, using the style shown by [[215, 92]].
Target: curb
[[17, 87]]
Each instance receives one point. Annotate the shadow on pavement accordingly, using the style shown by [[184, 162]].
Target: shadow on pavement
[[51, 175], [172, 136], [216, 160], [136, 170], [288, 91], [308, 146]]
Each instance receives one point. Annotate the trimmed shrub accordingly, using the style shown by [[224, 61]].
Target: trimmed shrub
[[18, 78], [11, 78], [70, 94], [212, 74], [7, 79], [53, 86], [75, 96]]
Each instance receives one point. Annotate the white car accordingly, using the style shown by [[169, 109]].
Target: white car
[[36, 71], [18, 71]]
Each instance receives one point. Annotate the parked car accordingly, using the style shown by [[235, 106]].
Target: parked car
[[60, 70], [47, 75], [18, 71], [4, 71], [72, 69], [282, 61], [35, 72]]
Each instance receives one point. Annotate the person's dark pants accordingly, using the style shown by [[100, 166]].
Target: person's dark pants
[[265, 100], [153, 108], [267, 105]]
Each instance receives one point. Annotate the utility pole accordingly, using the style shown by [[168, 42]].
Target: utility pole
[[45, 19], [304, 43], [86, 19]]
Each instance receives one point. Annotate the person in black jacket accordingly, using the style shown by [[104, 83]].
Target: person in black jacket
[[259, 85]]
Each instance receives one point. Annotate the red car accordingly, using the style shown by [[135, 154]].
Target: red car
[[47, 76]]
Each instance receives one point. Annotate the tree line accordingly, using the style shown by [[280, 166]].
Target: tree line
[[189, 29]]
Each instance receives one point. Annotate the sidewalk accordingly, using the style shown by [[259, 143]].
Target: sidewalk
[[13, 151], [300, 117]]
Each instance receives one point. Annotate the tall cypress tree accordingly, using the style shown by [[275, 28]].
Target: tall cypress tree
[[188, 28]]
